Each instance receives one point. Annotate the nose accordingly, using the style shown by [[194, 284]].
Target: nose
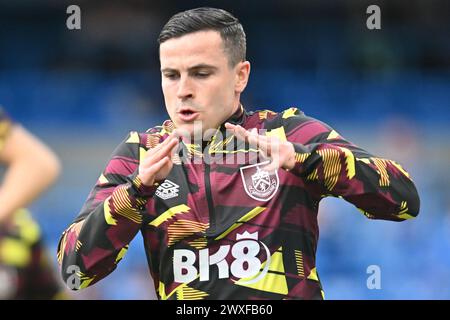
[[185, 90]]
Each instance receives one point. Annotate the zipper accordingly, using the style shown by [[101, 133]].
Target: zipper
[[212, 211]]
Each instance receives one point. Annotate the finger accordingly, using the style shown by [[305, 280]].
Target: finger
[[156, 166], [261, 143], [238, 131], [152, 154], [271, 168], [273, 165], [257, 141], [275, 154], [158, 147], [253, 141], [241, 133], [229, 126], [157, 155], [177, 134], [174, 150], [165, 142], [165, 150]]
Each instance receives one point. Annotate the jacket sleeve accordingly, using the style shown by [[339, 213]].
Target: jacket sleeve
[[91, 247], [332, 166]]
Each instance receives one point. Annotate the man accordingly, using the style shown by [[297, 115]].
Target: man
[[243, 227], [31, 167]]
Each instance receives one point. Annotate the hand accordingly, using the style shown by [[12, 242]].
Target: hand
[[281, 153], [158, 161]]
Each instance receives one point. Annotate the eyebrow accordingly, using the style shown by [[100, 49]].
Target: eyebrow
[[193, 68]]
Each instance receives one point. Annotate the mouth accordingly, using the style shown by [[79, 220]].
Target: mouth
[[187, 114]]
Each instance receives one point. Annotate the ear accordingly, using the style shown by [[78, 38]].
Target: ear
[[242, 74]]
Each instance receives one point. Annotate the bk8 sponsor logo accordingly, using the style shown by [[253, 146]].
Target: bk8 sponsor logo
[[245, 264]]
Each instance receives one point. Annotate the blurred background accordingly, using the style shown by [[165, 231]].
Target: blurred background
[[386, 90]]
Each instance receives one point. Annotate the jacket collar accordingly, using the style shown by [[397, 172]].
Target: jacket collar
[[238, 117]]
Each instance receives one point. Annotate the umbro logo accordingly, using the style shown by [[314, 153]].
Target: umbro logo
[[167, 190]]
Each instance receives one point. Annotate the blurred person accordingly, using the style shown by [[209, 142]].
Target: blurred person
[[31, 167], [243, 229]]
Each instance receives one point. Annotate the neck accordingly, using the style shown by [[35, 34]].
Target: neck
[[237, 105]]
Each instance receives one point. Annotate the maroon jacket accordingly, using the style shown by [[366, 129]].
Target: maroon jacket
[[217, 230]]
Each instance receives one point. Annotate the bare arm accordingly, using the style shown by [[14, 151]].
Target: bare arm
[[31, 168]]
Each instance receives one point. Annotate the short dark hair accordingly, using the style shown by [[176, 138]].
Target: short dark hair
[[203, 19]]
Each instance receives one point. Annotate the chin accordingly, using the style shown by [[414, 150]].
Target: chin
[[187, 129]]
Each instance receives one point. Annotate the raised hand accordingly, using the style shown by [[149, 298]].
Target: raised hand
[[281, 153], [158, 161]]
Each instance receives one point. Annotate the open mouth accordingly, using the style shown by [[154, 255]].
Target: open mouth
[[187, 114]]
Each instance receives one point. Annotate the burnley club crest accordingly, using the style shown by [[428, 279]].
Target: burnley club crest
[[258, 183]]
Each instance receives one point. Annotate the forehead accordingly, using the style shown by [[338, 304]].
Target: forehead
[[193, 48]]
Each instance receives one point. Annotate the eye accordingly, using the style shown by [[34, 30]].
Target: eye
[[202, 74], [171, 76]]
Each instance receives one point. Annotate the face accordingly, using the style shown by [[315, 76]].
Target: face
[[198, 82]]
